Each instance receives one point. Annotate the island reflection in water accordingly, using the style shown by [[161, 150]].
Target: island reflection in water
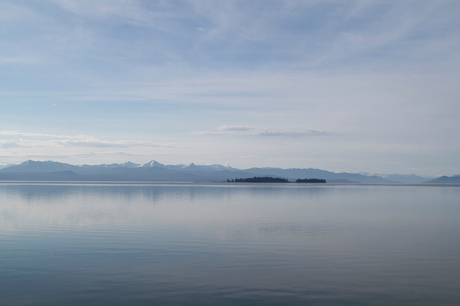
[[251, 244]]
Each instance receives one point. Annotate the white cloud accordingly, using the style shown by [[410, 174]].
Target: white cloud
[[35, 140], [246, 130]]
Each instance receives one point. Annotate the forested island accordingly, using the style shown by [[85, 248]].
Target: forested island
[[311, 180], [269, 179], [256, 179]]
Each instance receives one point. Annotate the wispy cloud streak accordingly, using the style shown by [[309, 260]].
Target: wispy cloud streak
[[30, 140], [247, 130]]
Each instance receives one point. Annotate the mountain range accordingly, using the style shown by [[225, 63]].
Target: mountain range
[[455, 179], [155, 171]]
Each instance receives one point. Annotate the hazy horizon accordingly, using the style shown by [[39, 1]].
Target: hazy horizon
[[217, 167], [355, 86]]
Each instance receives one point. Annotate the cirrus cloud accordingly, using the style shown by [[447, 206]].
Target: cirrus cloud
[[17, 139], [247, 130]]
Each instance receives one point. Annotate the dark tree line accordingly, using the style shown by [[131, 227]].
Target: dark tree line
[[256, 179], [268, 179], [311, 180]]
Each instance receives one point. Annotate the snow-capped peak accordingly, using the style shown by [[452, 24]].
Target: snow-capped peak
[[153, 163]]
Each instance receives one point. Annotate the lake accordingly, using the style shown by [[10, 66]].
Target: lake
[[229, 244]]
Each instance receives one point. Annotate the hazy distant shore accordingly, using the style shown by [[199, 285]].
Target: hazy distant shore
[[156, 172]]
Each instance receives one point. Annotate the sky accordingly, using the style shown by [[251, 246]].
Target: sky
[[354, 86]]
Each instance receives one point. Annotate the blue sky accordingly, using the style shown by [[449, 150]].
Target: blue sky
[[366, 86]]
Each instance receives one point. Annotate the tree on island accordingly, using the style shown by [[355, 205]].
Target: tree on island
[[256, 179], [311, 180]]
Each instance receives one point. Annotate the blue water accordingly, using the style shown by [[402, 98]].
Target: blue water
[[229, 244]]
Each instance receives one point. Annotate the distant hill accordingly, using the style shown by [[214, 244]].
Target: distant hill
[[155, 171], [406, 178], [41, 176], [446, 180], [31, 166], [5, 166]]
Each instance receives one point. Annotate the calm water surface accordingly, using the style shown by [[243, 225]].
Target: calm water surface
[[224, 244]]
